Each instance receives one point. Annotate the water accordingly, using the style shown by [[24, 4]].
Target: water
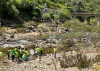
[[21, 43]]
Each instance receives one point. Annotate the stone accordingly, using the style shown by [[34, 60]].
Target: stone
[[35, 66], [0, 68], [48, 63]]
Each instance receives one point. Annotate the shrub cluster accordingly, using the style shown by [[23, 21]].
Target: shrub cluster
[[79, 60]]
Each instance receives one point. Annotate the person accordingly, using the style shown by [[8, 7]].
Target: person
[[22, 49], [38, 51], [8, 53], [15, 49], [16, 56], [13, 54], [55, 52], [23, 57], [1, 55], [20, 53], [26, 54], [41, 49]]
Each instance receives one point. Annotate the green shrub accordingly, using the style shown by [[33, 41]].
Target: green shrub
[[21, 30], [96, 29], [46, 16], [51, 13], [56, 17], [79, 35], [82, 61], [34, 18], [2, 29], [62, 15], [79, 61]]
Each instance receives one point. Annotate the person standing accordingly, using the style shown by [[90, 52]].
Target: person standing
[[13, 54], [16, 56], [26, 54], [8, 53], [55, 52], [38, 51], [23, 57], [20, 53], [41, 50], [1, 55], [15, 49]]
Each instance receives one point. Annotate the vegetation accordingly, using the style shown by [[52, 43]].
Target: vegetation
[[46, 16], [78, 60], [18, 9]]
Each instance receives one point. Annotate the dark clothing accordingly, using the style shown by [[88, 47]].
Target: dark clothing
[[13, 57], [54, 54], [8, 56], [41, 52], [21, 56]]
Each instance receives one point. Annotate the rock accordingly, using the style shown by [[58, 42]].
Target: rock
[[66, 29], [94, 65], [35, 66], [32, 52], [30, 27], [10, 62], [48, 63], [0, 69], [12, 36]]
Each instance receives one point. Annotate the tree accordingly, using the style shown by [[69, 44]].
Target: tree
[[62, 15]]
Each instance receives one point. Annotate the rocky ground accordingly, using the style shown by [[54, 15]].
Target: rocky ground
[[45, 63]]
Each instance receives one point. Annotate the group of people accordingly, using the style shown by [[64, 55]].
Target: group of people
[[39, 51], [22, 54], [18, 54]]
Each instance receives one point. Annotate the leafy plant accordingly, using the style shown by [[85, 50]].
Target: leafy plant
[[46, 16]]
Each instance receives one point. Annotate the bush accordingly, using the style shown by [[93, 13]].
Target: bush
[[96, 29], [56, 17], [2, 29], [46, 16], [21, 30], [79, 35], [34, 18], [51, 13], [62, 15], [79, 61]]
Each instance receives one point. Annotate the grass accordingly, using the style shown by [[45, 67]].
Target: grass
[[2, 30], [79, 61], [21, 30], [80, 26]]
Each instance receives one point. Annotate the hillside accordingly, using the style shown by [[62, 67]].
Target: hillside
[[28, 9]]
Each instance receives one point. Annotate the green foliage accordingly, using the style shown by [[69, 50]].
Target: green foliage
[[96, 29], [21, 30], [51, 13], [46, 16], [62, 15], [13, 8], [82, 61], [2, 30], [79, 61], [34, 18], [79, 35]]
